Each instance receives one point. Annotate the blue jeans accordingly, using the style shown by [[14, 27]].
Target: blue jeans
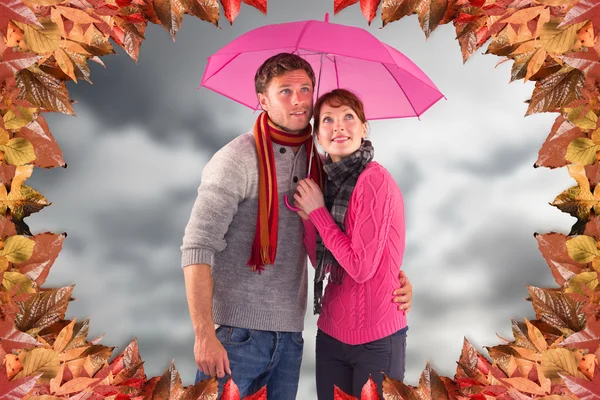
[[259, 358]]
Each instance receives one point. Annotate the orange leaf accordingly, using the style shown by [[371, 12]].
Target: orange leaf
[[75, 385], [231, 9]]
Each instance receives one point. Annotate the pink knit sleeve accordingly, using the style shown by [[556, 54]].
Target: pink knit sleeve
[[310, 241], [374, 204]]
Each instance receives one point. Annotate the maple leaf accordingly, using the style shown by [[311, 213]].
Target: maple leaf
[[556, 91], [47, 152], [553, 151], [17, 11], [589, 338], [583, 10]]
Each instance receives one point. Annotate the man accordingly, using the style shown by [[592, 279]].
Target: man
[[243, 257]]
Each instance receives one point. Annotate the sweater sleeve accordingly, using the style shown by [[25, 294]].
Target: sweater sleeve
[[310, 241], [373, 205], [222, 188]]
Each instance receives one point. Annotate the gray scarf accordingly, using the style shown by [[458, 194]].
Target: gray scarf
[[340, 183]]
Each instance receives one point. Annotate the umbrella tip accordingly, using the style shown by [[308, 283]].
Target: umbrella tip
[[326, 17]]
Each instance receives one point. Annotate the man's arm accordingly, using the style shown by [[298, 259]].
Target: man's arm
[[209, 353], [404, 293]]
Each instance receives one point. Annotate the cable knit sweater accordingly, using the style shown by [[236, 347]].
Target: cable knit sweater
[[361, 310]]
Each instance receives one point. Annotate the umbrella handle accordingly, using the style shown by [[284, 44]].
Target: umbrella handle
[[287, 202]]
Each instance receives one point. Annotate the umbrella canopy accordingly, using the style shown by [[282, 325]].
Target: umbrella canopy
[[389, 84]]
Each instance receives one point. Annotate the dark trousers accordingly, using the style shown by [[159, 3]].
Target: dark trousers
[[349, 366]]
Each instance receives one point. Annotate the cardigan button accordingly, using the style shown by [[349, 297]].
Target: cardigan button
[[282, 150]]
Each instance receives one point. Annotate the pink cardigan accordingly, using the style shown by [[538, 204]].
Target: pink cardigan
[[361, 310]]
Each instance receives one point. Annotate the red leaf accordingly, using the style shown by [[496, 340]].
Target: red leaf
[[554, 250], [17, 61], [260, 5], [589, 338], [553, 151], [47, 152], [16, 389], [369, 9], [477, 3], [123, 3], [338, 394], [7, 227], [583, 389], [15, 339], [260, 395], [46, 249], [584, 61], [339, 5], [230, 391], [231, 9], [16, 10], [582, 11], [369, 391]]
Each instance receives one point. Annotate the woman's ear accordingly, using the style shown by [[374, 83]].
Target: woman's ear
[[364, 132]]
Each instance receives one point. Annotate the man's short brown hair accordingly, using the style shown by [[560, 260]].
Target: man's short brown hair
[[278, 65]]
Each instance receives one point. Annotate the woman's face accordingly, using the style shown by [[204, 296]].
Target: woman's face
[[340, 131]]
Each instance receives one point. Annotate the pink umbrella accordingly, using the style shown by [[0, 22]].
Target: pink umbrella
[[388, 83]]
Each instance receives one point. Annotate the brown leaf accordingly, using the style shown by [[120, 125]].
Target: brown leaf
[[433, 384], [42, 90], [132, 364], [43, 309], [208, 390], [553, 151], [556, 91], [467, 37], [536, 337], [557, 309], [75, 385], [393, 10], [64, 337], [168, 385], [396, 390]]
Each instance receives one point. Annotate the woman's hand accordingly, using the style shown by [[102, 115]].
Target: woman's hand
[[301, 213], [308, 196]]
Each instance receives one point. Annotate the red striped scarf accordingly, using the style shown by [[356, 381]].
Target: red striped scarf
[[264, 248]]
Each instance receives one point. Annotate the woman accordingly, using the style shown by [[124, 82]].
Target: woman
[[360, 243]]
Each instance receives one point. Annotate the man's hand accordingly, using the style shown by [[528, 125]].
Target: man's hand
[[211, 356], [403, 294]]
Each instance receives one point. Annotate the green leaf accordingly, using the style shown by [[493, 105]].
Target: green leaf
[[583, 249], [17, 249], [582, 151]]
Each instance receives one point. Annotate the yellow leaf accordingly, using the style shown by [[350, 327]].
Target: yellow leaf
[[65, 63], [76, 15], [4, 136], [524, 385], [543, 19], [582, 151], [73, 47], [64, 337], [596, 264], [559, 360], [587, 121], [75, 385], [536, 62], [45, 2], [37, 361], [17, 249], [18, 151], [556, 40], [582, 249], [588, 279], [536, 337], [3, 264], [14, 122], [41, 40], [45, 397], [18, 280], [526, 47]]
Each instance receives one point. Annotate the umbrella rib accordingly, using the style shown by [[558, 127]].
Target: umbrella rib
[[337, 77], [401, 88], [302, 33], [411, 74]]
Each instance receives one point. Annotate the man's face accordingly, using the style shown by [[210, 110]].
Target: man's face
[[288, 100]]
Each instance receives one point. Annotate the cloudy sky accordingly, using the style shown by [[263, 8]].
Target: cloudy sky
[[144, 132]]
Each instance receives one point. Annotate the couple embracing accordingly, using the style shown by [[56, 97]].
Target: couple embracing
[[244, 252]]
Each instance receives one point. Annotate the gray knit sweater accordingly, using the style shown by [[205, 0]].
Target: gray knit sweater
[[221, 231]]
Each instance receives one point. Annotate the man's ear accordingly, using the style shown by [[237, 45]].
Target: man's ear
[[263, 101]]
